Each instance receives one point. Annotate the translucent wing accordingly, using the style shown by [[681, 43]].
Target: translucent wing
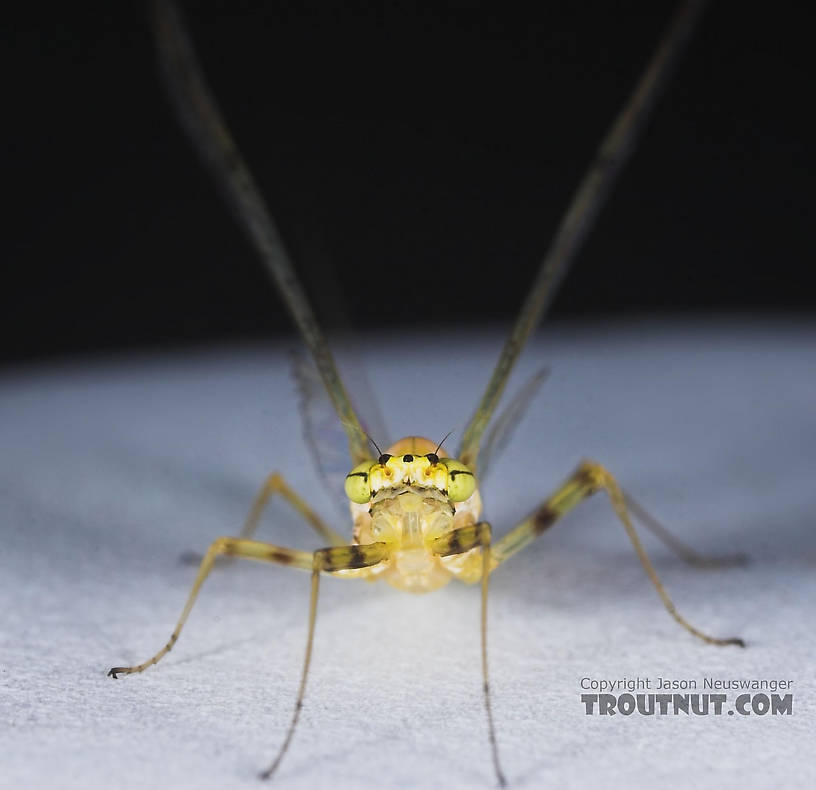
[[508, 420], [614, 152], [323, 432], [199, 115]]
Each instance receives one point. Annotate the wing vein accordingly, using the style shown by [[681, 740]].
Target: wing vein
[[198, 113], [576, 223]]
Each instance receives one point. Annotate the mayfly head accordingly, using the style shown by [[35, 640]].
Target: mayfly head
[[414, 462]]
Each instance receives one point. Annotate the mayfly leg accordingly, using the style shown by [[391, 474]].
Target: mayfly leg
[[461, 541], [686, 553], [576, 223], [329, 560], [275, 484], [229, 547], [336, 558], [588, 479]]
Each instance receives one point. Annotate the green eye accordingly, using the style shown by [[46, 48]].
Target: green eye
[[357, 487], [461, 482]]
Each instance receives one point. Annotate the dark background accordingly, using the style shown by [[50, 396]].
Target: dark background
[[417, 162]]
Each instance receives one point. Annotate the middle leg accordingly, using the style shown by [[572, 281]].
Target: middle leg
[[275, 484], [587, 479]]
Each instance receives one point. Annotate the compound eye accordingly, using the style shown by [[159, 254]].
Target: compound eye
[[461, 482], [357, 486]]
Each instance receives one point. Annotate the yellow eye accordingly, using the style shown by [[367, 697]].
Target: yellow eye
[[461, 482], [358, 488]]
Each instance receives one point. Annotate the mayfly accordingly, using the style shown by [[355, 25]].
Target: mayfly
[[415, 510]]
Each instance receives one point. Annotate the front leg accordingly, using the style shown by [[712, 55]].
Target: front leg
[[461, 541], [328, 560], [229, 547], [588, 478]]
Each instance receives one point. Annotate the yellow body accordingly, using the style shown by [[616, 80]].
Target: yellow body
[[415, 511], [408, 510]]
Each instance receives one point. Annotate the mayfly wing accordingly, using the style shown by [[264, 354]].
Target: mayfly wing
[[199, 115], [505, 424], [323, 432], [349, 353], [613, 153]]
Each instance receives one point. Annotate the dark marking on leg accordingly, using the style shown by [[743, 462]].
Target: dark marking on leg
[[544, 518], [350, 557], [455, 544], [275, 555], [357, 558]]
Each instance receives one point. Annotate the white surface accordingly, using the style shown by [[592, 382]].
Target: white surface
[[110, 470]]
